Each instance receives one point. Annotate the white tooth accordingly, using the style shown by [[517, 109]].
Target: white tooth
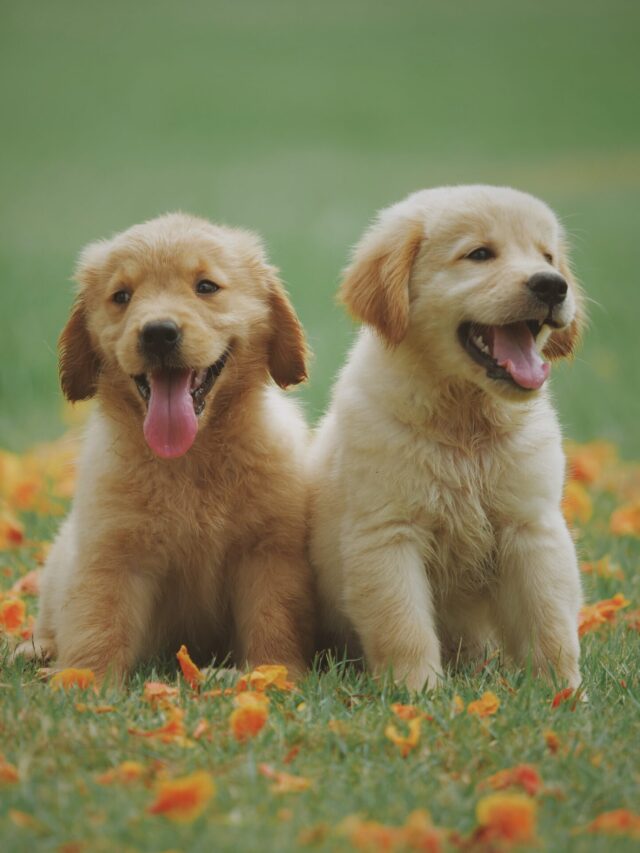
[[197, 379], [542, 337], [480, 343]]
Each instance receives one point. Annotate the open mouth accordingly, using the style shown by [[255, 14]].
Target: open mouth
[[175, 397], [200, 381], [509, 353]]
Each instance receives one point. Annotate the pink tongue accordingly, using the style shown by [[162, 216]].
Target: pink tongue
[[170, 426], [514, 349]]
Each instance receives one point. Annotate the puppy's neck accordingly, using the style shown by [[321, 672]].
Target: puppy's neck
[[453, 411], [463, 415]]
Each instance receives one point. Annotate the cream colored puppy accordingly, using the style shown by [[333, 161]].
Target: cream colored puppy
[[189, 518], [436, 524]]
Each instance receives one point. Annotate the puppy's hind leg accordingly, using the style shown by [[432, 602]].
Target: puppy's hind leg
[[387, 597], [105, 617], [42, 645]]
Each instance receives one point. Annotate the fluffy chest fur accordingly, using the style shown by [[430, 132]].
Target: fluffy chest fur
[[191, 514], [448, 472], [451, 506]]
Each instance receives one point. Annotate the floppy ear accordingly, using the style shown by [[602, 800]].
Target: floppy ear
[[287, 347], [375, 288], [78, 362], [564, 342]]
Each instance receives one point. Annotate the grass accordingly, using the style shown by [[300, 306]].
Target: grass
[[60, 751], [300, 121]]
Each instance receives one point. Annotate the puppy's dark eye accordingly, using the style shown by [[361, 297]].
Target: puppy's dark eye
[[548, 258], [482, 253], [205, 287], [121, 297]]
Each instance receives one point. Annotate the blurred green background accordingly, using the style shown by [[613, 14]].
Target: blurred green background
[[301, 120]]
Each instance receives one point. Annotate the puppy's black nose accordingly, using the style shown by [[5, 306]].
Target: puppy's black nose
[[549, 287], [160, 337]]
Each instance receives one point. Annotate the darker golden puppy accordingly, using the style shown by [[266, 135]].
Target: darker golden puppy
[[188, 522]]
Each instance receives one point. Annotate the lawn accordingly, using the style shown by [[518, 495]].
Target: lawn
[[300, 121], [320, 769]]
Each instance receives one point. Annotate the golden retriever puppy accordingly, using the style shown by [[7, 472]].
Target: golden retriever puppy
[[188, 522], [438, 470]]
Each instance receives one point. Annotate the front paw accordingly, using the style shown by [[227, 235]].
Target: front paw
[[572, 677], [417, 675], [425, 677]]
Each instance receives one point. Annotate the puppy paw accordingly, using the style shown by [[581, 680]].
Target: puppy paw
[[422, 675], [423, 680], [42, 649]]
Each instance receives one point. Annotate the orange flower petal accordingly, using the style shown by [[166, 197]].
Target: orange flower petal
[[83, 708], [183, 799], [172, 731], [603, 568], [218, 691], [155, 691], [616, 822], [246, 723], [250, 715], [11, 530], [28, 584], [67, 678], [42, 552], [417, 833], [406, 712], [576, 504], [633, 620], [202, 728], [265, 676], [8, 772], [249, 699], [507, 817], [522, 776], [291, 754], [420, 833], [123, 774], [552, 741], [370, 834], [26, 631], [285, 783], [589, 619], [587, 462], [486, 706], [405, 743], [592, 616], [12, 615], [625, 521], [24, 820], [190, 671], [562, 696]]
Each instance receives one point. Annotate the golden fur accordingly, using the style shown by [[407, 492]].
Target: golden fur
[[206, 549], [436, 526]]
